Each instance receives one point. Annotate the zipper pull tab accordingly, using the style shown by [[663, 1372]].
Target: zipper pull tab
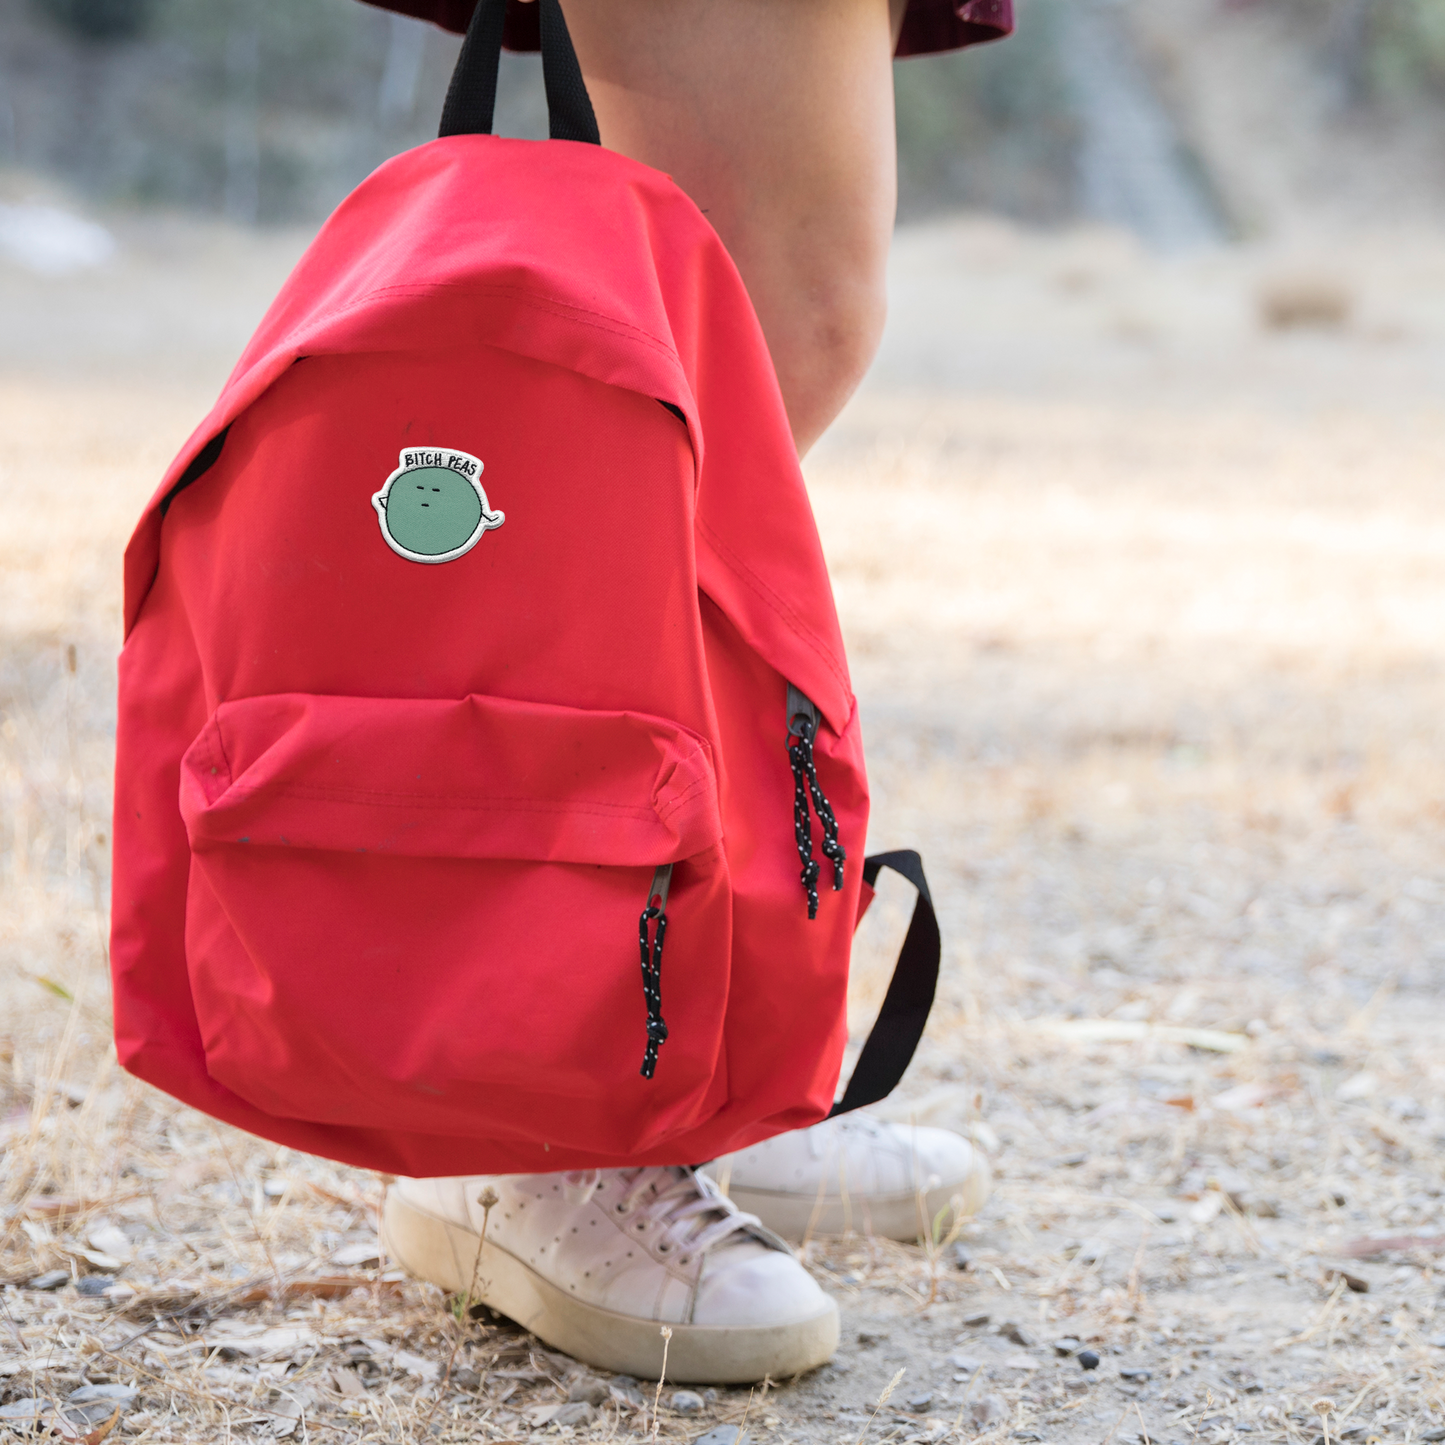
[[801, 709]]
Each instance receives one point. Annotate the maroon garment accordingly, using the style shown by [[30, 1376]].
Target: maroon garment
[[929, 26]]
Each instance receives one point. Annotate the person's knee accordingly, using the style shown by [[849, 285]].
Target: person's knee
[[777, 119], [823, 336]]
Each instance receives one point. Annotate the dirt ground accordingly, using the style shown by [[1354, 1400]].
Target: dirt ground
[[1146, 609]]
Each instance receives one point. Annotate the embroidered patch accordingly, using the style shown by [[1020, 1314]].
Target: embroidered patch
[[432, 507]]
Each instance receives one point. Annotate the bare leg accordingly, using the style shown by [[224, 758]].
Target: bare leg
[[776, 117]]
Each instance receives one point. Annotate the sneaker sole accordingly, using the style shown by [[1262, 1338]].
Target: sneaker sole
[[445, 1254], [905, 1217]]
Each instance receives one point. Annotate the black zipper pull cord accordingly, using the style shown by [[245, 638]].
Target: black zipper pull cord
[[652, 965], [803, 719], [802, 832]]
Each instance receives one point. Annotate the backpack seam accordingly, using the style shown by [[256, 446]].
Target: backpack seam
[[668, 807], [383, 799], [216, 752], [785, 613], [563, 309]]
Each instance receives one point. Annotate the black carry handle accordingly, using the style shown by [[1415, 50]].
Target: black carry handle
[[472, 94], [899, 1026]]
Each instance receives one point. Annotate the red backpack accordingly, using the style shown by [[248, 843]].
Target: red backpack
[[478, 640]]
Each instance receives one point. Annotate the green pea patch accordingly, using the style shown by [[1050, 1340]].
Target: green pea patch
[[433, 508]]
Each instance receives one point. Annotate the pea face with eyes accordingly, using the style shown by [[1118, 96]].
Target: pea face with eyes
[[432, 509]]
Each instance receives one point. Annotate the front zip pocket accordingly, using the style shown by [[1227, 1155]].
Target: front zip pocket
[[419, 913]]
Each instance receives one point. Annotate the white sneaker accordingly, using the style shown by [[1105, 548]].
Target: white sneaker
[[596, 1263], [855, 1173]]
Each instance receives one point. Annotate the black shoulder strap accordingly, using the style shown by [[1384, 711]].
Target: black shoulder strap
[[899, 1026], [472, 94]]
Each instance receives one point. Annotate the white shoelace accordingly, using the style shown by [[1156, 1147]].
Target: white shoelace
[[679, 1200]]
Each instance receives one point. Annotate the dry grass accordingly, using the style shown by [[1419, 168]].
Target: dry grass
[[1162, 693], [1157, 690]]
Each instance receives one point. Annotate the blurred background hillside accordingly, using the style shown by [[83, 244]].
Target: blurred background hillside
[[1176, 117]]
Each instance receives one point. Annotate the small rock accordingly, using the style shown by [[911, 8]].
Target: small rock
[[986, 1409], [1137, 1376], [1067, 1346], [578, 1412], [93, 1284], [348, 1382], [919, 1404], [723, 1435], [1088, 1360], [1357, 1284], [125, 1394], [286, 1415], [357, 1256], [1433, 1435], [51, 1279], [686, 1402], [26, 1411], [1017, 1333], [1357, 1086], [23, 1409], [624, 1390], [95, 1404], [589, 1390], [110, 1239], [465, 1378], [1207, 1207], [977, 1318], [871, 1337], [959, 1257], [966, 1363]]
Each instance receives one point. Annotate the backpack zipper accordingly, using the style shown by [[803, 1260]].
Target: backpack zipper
[[655, 910], [803, 721]]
